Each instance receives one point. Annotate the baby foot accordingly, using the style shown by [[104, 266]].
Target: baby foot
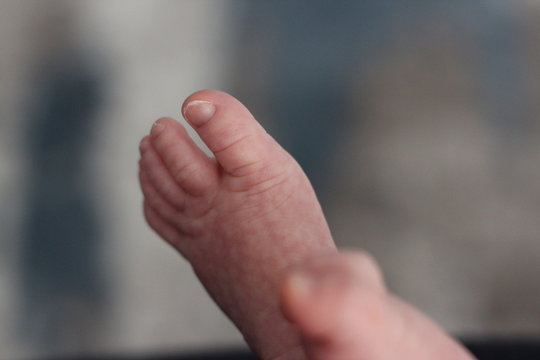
[[343, 311], [243, 218], [240, 219]]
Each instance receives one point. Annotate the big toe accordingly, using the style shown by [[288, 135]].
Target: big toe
[[240, 144]]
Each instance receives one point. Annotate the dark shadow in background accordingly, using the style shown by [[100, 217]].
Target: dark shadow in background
[[317, 48], [483, 350], [62, 285], [310, 54], [304, 57]]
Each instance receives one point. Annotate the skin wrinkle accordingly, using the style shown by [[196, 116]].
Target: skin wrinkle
[[234, 171], [218, 136], [233, 144]]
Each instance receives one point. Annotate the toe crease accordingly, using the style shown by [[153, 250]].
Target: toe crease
[[233, 172], [242, 138]]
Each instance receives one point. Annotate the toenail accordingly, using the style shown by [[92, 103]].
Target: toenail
[[198, 112], [157, 128]]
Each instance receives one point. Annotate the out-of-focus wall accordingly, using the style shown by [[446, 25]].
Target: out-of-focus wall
[[417, 122], [140, 59]]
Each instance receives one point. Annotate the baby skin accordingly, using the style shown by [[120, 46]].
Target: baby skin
[[249, 223]]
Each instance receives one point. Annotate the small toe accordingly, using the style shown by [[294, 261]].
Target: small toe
[[168, 232], [188, 166], [239, 143], [155, 200], [156, 173], [186, 228]]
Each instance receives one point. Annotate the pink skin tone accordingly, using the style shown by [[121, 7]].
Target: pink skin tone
[[249, 223]]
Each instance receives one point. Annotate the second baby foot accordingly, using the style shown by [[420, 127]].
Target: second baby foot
[[343, 311]]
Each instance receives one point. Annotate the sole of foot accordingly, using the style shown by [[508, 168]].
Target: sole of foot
[[247, 215]]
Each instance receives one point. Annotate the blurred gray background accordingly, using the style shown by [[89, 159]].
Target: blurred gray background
[[417, 121]]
